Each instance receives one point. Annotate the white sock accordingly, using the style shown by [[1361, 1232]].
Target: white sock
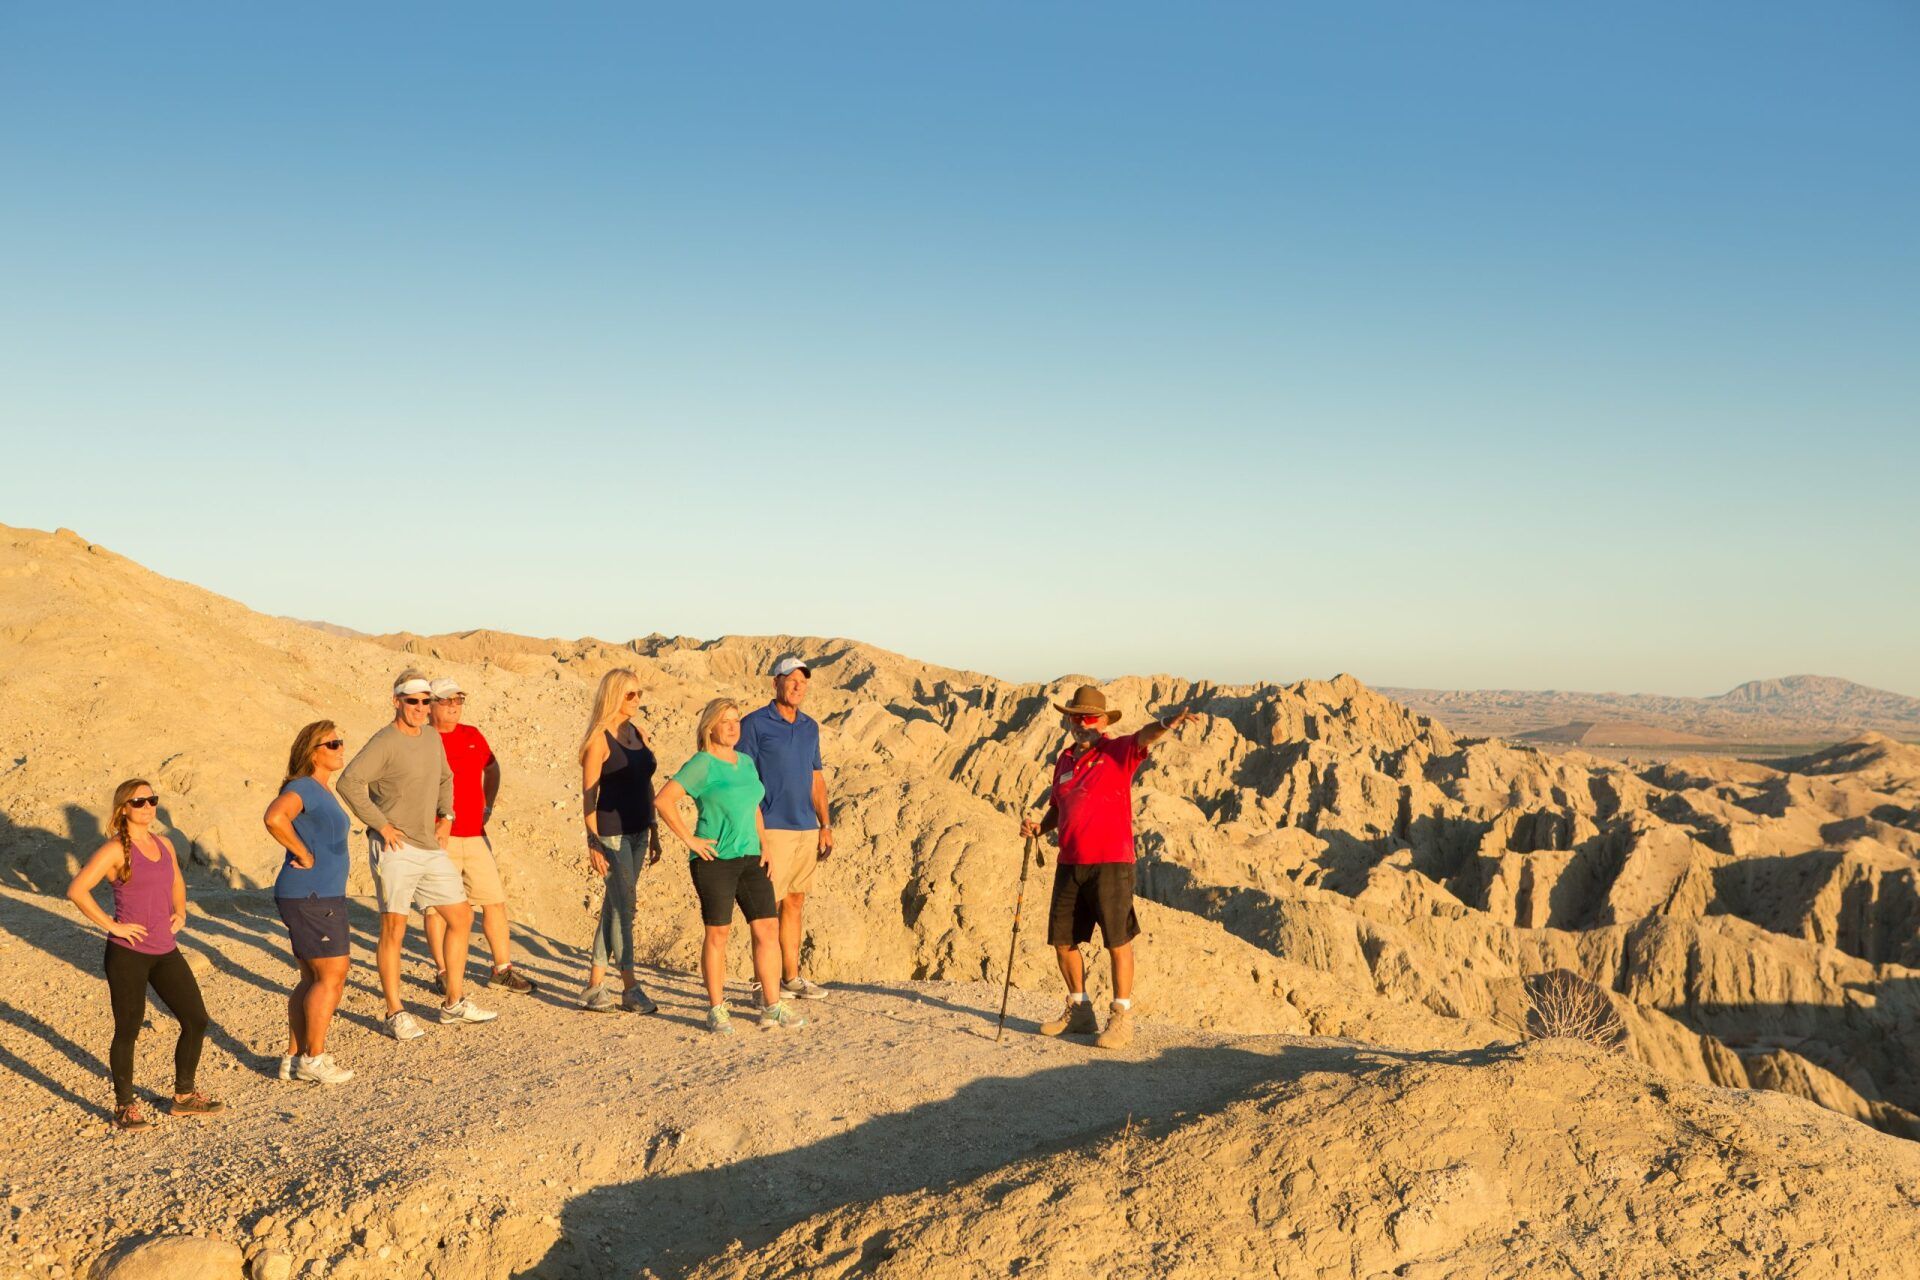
[[1078, 997], [1123, 1004]]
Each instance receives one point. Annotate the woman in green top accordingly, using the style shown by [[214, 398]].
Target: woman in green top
[[727, 863]]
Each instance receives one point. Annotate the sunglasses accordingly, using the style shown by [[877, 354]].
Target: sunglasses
[[144, 802], [458, 699], [1089, 722], [629, 695], [333, 745], [416, 702]]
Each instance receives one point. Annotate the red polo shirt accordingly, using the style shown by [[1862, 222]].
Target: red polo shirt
[[1093, 800], [468, 755]]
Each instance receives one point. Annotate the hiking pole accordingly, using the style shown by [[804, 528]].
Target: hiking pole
[[1013, 946]]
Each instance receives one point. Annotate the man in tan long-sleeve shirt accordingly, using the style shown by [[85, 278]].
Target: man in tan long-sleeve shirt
[[401, 787]]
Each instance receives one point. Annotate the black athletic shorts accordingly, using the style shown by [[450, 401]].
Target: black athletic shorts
[[725, 881], [318, 926], [1089, 894]]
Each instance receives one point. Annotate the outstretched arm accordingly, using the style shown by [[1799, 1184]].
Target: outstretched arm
[[1160, 729]]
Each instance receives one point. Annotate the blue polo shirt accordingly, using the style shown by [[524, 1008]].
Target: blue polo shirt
[[786, 755]]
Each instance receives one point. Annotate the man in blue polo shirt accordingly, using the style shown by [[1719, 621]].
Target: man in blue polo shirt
[[785, 745]]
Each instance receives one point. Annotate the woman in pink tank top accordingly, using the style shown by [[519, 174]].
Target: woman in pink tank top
[[149, 908]]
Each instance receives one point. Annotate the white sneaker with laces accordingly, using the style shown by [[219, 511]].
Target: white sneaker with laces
[[287, 1064], [801, 989], [404, 1026], [465, 1010], [320, 1069]]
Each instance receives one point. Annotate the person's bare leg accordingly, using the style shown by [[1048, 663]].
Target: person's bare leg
[[595, 976], [1122, 971], [713, 963], [792, 907], [493, 923], [630, 977], [437, 941], [459, 918], [393, 932], [329, 983], [297, 1009], [1072, 969], [766, 959]]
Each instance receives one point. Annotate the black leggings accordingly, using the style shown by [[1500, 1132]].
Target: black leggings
[[128, 974]]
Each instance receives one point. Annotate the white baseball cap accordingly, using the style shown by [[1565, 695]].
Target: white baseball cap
[[412, 686], [446, 687], [787, 666]]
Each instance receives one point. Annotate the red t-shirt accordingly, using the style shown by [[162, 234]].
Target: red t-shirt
[[468, 755], [1093, 800]]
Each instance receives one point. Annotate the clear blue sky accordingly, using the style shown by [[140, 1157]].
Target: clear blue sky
[[1458, 345]]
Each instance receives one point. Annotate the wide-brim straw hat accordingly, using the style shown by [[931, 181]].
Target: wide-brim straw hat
[[1088, 701]]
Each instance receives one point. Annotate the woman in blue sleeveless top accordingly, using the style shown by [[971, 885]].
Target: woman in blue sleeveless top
[[311, 892]]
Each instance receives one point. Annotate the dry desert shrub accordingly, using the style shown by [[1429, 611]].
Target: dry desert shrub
[[1561, 1004]]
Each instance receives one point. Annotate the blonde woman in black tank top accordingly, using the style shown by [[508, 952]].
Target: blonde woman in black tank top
[[616, 783]]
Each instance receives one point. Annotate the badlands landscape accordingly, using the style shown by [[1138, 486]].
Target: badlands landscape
[[1349, 901]]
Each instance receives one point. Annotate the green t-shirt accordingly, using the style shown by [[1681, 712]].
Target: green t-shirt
[[728, 796]]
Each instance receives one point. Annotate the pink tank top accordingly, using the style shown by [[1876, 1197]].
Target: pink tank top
[[147, 898]]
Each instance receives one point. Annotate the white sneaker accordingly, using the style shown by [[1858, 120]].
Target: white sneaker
[[287, 1063], [801, 989], [404, 1026], [465, 1010], [319, 1069]]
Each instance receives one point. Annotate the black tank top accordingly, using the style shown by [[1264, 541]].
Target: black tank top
[[625, 804]]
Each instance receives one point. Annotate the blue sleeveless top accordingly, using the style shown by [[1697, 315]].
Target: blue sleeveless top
[[322, 826]]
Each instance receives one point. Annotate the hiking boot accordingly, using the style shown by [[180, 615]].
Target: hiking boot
[[719, 1021], [286, 1067], [801, 989], [509, 977], [600, 999], [465, 1010], [1119, 1032], [781, 1015], [196, 1104], [319, 1069], [1076, 1020], [131, 1117], [403, 1026], [637, 999]]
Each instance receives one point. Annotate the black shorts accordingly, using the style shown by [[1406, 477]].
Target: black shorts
[[725, 881], [1088, 894], [318, 926]]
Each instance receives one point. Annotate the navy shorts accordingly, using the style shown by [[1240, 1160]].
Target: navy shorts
[[1087, 894], [725, 881], [318, 926]]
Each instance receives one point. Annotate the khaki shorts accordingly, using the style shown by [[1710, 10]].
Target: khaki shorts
[[792, 858], [410, 878], [473, 857]]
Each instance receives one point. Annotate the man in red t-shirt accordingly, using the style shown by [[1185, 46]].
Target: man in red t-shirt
[[476, 781], [1090, 805]]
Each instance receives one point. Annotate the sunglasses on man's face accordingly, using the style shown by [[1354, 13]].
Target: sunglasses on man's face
[[334, 745], [142, 802], [1088, 722], [416, 702]]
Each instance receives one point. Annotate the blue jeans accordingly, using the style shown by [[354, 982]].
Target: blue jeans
[[625, 856]]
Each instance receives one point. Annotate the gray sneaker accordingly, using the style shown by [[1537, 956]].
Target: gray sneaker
[[638, 1000], [781, 1015], [600, 999], [465, 1010], [286, 1067], [404, 1026], [801, 989], [719, 1021], [320, 1069]]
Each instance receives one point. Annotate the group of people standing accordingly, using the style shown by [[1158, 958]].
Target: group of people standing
[[424, 787]]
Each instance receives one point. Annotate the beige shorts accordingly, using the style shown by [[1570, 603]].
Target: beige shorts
[[473, 856], [792, 858]]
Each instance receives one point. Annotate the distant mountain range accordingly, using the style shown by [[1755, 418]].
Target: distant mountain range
[[1790, 709]]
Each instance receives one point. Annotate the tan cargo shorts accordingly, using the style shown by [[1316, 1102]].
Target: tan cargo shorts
[[473, 857], [792, 858]]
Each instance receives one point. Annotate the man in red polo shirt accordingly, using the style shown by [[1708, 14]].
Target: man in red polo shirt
[[1090, 805]]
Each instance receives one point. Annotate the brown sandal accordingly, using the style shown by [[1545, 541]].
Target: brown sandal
[[196, 1104], [131, 1117]]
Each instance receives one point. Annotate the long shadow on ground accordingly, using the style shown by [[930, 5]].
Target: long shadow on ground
[[670, 1222]]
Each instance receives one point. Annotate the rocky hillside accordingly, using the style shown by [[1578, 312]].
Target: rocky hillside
[[1321, 859], [1791, 709]]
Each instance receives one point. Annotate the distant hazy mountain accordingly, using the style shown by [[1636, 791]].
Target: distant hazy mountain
[[1804, 708]]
